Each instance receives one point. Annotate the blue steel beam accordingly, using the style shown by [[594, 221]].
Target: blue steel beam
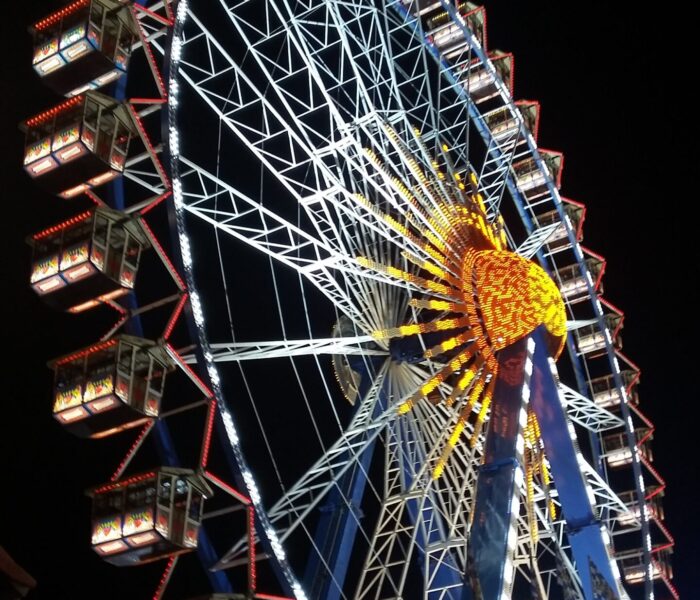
[[327, 566], [492, 536], [584, 529]]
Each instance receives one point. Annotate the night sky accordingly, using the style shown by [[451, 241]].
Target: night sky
[[613, 85]]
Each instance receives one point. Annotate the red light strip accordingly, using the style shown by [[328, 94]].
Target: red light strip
[[667, 533], [119, 322], [227, 488], [612, 307], [603, 264], [505, 56], [154, 16], [667, 581], [271, 597], [165, 578], [85, 352], [61, 226], [116, 306], [252, 569], [206, 442], [95, 198], [123, 482], [545, 151], [618, 312], [652, 470], [190, 373], [57, 16], [631, 365], [175, 316], [149, 54], [466, 15], [657, 549], [643, 417], [582, 206], [169, 10], [151, 205], [656, 492], [147, 100], [52, 112], [149, 146], [132, 451], [164, 257], [536, 127]]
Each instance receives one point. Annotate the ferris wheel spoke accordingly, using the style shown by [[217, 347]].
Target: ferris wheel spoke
[[501, 150], [418, 511], [333, 210], [536, 240], [412, 517], [336, 275], [586, 412], [290, 511], [604, 497], [303, 153], [239, 351]]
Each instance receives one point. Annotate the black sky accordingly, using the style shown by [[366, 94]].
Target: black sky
[[614, 87]]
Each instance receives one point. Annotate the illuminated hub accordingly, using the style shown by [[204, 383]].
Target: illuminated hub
[[79, 144], [89, 259], [109, 387], [475, 298], [148, 517], [83, 46]]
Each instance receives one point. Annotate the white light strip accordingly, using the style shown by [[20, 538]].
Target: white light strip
[[198, 314]]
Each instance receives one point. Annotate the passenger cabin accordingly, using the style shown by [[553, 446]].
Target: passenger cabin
[[616, 451], [503, 124], [480, 83], [632, 565], [110, 386], [84, 46], [559, 240], [573, 284], [532, 180], [79, 144], [606, 394], [448, 36], [91, 258], [632, 517], [591, 339], [148, 517]]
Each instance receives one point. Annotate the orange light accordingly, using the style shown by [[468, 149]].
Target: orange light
[[52, 112], [54, 18], [84, 352], [124, 482], [61, 226], [491, 296], [515, 296]]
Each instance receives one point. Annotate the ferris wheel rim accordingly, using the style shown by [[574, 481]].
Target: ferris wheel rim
[[211, 362]]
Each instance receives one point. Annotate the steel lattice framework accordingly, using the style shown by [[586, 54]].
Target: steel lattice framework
[[364, 122]]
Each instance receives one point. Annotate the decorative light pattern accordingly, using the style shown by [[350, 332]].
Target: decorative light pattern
[[469, 286], [52, 112], [65, 225], [54, 18]]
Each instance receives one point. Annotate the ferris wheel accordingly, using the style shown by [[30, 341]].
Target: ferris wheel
[[375, 275]]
